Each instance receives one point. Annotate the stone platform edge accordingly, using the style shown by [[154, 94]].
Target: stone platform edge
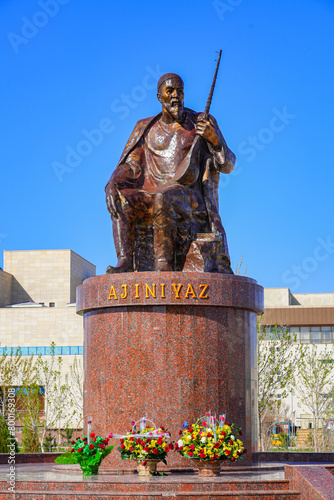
[[169, 289]]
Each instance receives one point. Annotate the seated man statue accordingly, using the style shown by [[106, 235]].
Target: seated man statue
[[168, 174]]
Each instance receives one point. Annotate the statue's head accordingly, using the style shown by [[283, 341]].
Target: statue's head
[[171, 95]]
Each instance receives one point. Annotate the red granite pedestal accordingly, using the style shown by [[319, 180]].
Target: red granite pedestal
[[171, 346]]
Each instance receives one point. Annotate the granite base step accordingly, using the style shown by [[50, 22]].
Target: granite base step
[[170, 495]]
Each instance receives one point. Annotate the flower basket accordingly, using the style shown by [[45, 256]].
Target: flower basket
[[147, 447], [209, 443], [89, 453]]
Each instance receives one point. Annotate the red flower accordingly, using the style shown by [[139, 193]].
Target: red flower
[[101, 445], [138, 440], [180, 432], [72, 450], [223, 434], [122, 446], [240, 433], [159, 441], [131, 448], [92, 435], [145, 462], [212, 458], [166, 449], [230, 442], [122, 440], [216, 445], [181, 448], [190, 453], [91, 447], [171, 447], [204, 424], [155, 451], [227, 452], [209, 435], [72, 442], [106, 441], [232, 459], [148, 440], [228, 424], [216, 456], [131, 439], [80, 450], [192, 447], [245, 451], [84, 438]]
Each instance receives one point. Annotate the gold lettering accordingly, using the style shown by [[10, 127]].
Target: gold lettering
[[137, 292], [152, 292], [202, 296], [125, 294], [163, 296], [190, 291], [177, 290], [112, 293]]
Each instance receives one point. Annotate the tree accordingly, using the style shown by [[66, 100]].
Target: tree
[[278, 356], [14, 368], [75, 380], [58, 411], [46, 404], [316, 387]]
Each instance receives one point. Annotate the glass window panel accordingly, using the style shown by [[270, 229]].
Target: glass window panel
[[65, 350], [32, 350], [24, 351], [57, 350], [315, 328], [294, 329], [326, 328], [305, 335], [74, 350], [48, 351], [40, 350], [315, 335], [81, 349], [304, 329], [326, 336], [305, 341], [315, 341]]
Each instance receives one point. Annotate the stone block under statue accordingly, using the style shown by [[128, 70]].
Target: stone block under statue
[[171, 346]]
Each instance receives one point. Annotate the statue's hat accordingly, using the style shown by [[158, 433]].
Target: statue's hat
[[168, 76]]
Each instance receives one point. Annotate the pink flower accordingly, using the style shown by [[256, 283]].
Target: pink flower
[[133, 422], [110, 435]]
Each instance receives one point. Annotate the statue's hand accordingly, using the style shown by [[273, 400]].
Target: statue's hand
[[207, 130], [112, 196]]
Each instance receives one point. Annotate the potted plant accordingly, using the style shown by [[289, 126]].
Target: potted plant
[[210, 443], [147, 447], [89, 452]]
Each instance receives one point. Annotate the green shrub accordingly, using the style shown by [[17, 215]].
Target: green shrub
[[66, 458], [6, 437]]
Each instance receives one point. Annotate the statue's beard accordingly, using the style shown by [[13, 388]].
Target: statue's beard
[[176, 110]]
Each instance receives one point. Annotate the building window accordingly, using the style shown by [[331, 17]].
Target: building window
[[52, 304]]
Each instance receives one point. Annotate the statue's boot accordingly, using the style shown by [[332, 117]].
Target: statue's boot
[[123, 232], [163, 242]]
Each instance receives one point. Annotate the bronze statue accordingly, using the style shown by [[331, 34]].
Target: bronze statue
[[163, 194]]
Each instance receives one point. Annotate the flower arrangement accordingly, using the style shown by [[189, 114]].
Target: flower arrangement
[[147, 444], [205, 440], [89, 452]]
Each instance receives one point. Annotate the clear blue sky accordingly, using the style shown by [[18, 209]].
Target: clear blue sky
[[70, 66]]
